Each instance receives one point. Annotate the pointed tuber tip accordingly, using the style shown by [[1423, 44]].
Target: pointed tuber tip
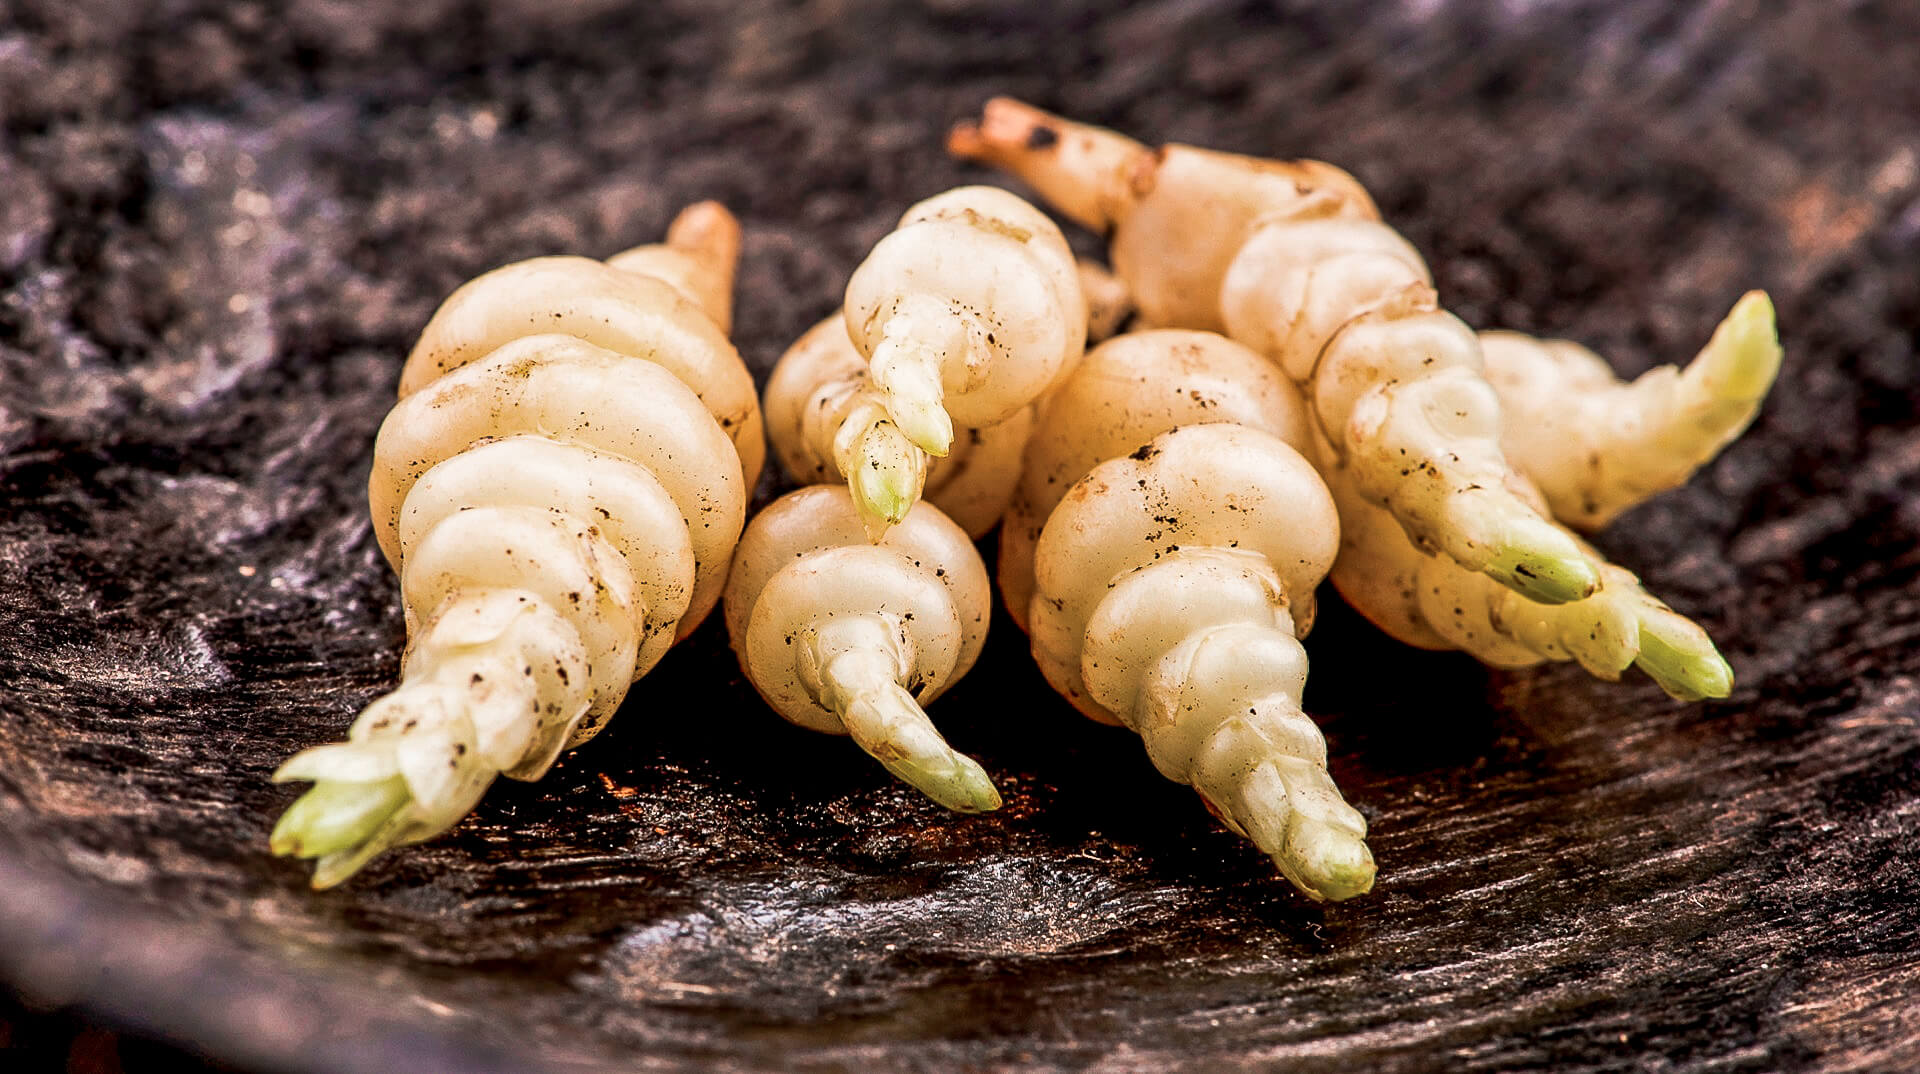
[[1745, 349], [892, 727], [337, 816], [1317, 840], [1678, 655], [1343, 869], [1542, 563], [955, 781], [926, 424]]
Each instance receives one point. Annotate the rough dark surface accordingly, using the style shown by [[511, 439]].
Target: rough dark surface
[[221, 224]]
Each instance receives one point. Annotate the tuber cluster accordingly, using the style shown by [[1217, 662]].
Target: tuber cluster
[[563, 489]]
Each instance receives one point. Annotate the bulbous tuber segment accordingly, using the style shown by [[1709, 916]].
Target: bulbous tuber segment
[[560, 491], [848, 637], [829, 426], [961, 317], [1289, 257], [1169, 587], [1597, 445]]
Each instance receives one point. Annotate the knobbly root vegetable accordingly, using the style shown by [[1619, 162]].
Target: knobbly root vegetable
[[1137, 386], [561, 508], [829, 426], [1170, 587], [1596, 445], [848, 637], [1291, 259], [1431, 602], [965, 314], [1124, 393]]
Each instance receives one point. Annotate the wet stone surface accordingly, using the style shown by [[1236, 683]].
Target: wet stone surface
[[223, 223]]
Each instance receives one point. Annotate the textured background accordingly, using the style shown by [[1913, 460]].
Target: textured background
[[221, 225]]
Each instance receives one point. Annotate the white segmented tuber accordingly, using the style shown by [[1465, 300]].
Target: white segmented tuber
[[1596, 445], [1124, 393], [826, 422], [1434, 603], [964, 314], [1291, 259], [848, 637], [1170, 587], [560, 491]]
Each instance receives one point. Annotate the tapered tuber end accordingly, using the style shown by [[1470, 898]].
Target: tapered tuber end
[[1085, 172], [926, 424], [1542, 563], [890, 725], [907, 372], [706, 230], [1315, 838], [886, 481], [341, 823], [1743, 357], [1678, 655]]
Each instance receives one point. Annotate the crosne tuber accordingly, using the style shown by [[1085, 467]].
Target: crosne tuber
[[826, 423], [1125, 392], [847, 637], [1291, 259], [1596, 445], [560, 489], [1170, 588], [964, 314], [820, 405]]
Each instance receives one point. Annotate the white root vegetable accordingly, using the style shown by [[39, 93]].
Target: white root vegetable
[[965, 314], [1170, 589], [1434, 603], [1596, 445], [560, 491], [826, 422], [1291, 259], [1137, 386], [847, 637], [1124, 393]]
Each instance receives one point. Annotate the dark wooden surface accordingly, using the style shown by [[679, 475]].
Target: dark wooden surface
[[221, 224]]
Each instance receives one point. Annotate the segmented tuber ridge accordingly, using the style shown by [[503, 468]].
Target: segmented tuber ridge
[[560, 507], [1291, 259], [848, 637], [1169, 586], [962, 317]]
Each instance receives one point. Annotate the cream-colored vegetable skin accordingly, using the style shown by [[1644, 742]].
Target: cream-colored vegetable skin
[[965, 314], [826, 422], [1596, 445], [850, 637], [1124, 393], [1290, 258], [560, 491], [1170, 589]]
